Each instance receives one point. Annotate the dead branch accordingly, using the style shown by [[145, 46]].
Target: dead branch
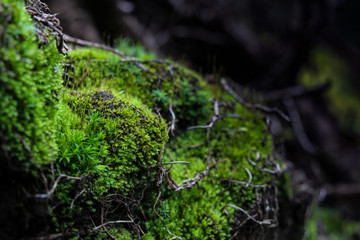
[[275, 171], [298, 127], [344, 189], [200, 175], [196, 146], [173, 121], [247, 184], [213, 119], [52, 190], [250, 105], [294, 92], [113, 222], [176, 162], [250, 177], [76, 197], [267, 222]]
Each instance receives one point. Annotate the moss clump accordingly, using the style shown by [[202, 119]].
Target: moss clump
[[199, 213], [29, 78], [110, 144], [117, 145], [156, 83]]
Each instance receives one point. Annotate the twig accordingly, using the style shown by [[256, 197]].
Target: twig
[[200, 175], [102, 222], [77, 195], [250, 105], [173, 121], [250, 177], [298, 127], [344, 189], [295, 91], [52, 190], [263, 222], [176, 162], [112, 222], [85, 43], [247, 184], [213, 119], [276, 171]]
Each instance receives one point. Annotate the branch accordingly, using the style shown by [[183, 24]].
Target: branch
[[263, 222], [112, 222], [52, 190], [172, 125], [250, 105], [298, 127]]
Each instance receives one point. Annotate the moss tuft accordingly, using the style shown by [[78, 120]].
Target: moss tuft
[[117, 145]]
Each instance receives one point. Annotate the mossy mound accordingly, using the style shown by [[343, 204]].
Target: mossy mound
[[108, 175], [115, 146], [240, 150], [156, 83]]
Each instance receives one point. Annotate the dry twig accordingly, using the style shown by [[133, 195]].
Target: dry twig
[[52, 190], [250, 105]]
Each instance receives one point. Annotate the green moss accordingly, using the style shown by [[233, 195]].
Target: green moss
[[113, 142], [29, 78], [198, 213], [109, 129], [155, 83], [195, 213]]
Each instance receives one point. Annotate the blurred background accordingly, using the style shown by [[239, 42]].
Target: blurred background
[[299, 56]]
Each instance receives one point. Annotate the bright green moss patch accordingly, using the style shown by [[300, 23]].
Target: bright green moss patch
[[102, 150], [115, 144], [30, 75], [198, 213], [156, 83]]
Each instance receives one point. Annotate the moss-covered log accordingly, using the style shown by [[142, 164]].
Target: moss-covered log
[[129, 148]]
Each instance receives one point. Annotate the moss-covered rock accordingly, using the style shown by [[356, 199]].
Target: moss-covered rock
[[116, 144], [109, 175]]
